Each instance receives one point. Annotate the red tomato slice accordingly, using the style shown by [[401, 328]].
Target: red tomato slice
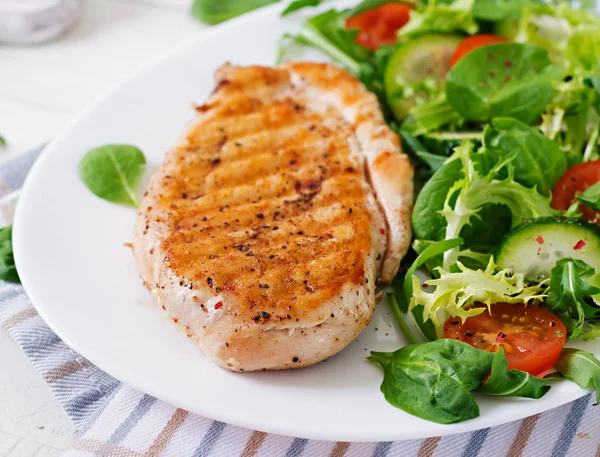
[[474, 42], [532, 337], [379, 25], [575, 181]]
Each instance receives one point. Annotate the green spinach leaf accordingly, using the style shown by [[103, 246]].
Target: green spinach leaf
[[509, 79], [427, 221], [434, 380], [488, 229], [580, 367], [591, 197], [215, 11], [433, 161], [2, 141], [569, 290], [112, 172], [512, 383], [496, 10], [300, 4], [8, 270], [538, 161]]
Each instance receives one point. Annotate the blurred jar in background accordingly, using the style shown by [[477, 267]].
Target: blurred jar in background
[[36, 21]]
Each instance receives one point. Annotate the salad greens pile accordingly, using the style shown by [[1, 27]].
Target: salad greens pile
[[497, 104]]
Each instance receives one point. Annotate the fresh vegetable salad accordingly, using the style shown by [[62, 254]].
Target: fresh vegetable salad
[[498, 105]]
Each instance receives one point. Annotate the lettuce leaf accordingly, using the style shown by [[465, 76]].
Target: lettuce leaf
[[455, 292], [582, 51], [441, 17], [591, 332], [569, 292], [538, 160], [580, 367]]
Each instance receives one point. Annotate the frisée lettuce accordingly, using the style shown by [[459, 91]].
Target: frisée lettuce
[[456, 291]]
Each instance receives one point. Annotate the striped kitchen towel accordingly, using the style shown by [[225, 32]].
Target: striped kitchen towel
[[114, 420]]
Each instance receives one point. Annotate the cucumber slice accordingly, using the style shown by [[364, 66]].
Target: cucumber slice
[[425, 57], [534, 247]]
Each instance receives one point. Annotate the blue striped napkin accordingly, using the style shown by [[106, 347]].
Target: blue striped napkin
[[114, 420]]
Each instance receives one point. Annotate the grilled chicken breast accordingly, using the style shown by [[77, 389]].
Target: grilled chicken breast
[[267, 227]]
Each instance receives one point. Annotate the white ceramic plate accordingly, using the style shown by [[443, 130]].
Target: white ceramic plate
[[69, 248]]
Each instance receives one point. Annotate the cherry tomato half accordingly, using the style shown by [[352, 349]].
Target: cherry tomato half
[[532, 337], [575, 181], [379, 25], [473, 42]]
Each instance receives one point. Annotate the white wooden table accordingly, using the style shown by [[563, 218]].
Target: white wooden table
[[41, 89]]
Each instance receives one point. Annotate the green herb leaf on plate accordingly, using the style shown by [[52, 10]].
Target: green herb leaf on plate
[[496, 10], [434, 380], [503, 80], [433, 161], [215, 11], [441, 17], [112, 172], [538, 161], [580, 367], [591, 332], [8, 270], [568, 292], [512, 383], [2, 141], [591, 197], [427, 222], [297, 5]]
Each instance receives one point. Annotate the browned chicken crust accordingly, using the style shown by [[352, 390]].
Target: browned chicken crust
[[260, 235]]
